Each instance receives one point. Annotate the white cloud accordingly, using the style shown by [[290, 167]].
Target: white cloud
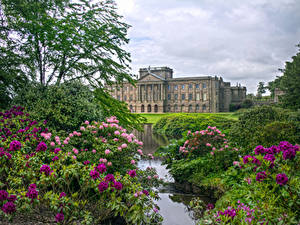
[[242, 41]]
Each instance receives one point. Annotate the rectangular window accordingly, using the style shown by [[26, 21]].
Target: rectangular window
[[169, 87], [176, 96], [197, 96], [125, 98], [131, 88], [190, 96], [130, 97], [182, 96], [175, 87], [204, 85], [118, 97], [182, 86], [169, 96], [204, 97], [190, 86], [197, 86]]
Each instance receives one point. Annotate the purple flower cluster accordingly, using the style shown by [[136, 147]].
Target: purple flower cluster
[[42, 147], [118, 185], [45, 169], [230, 212], [3, 195], [15, 145], [132, 173], [94, 174], [9, 207], [59, 217], [282, 179], [32, 193], [260, 176], [101, 168], [109, 178], [102, 186]]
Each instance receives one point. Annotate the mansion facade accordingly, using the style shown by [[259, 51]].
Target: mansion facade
[[156, 91]]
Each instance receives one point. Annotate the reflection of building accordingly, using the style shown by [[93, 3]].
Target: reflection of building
[[157, 91]]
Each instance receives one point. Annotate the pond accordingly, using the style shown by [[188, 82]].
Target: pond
[[173, 203]]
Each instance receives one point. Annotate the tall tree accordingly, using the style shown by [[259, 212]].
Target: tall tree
[[57, 40], [290, 83], [261, 89]]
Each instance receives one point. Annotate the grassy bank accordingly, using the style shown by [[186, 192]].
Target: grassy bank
[[155, 117]]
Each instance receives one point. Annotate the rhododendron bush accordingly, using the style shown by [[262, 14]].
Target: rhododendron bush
[[199, 153], [269, 184], [88, 177]]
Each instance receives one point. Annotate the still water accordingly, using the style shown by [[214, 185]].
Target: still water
[[173, 203]]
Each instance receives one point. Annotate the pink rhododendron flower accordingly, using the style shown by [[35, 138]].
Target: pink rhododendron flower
[[117, 132], [94, 150], [52, 144], [109, 164], [132, 162], [124, 145], [86, 122], [107, 151], [74, 157]]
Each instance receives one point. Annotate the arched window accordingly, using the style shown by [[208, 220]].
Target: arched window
[[149, 108], [155, 108], [190, 108], [204, 107], [142, 108]]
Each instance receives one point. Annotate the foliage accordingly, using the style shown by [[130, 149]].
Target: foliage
[[268, 184], [174, 126], [261, 89], [246, 104], [199, 155], [64, 106], [90, 176], [247, 131], [59, 40], [289, 83], [111, 106]]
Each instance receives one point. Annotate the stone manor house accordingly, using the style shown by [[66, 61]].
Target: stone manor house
[[156, 91]]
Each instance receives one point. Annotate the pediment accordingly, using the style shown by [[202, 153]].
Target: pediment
[[151, 77]]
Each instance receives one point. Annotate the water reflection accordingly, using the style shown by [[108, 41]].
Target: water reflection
[[173, 203]]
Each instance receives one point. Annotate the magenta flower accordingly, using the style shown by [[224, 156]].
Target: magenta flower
[[41, 147], [32, 193], [102, 186], [210, 206], [246, 158], [56, 150], [45, 169], [146, 192], [14, 145], [132, 173], [289, 153], [260, 176], [118, 185], [94, 174], [3, 195], [259, 150], [32, 186], [55, 158], [282, 179], [269, 157], [101, 168], [109, 177], [63, 194], [12, 198], [9, 208], [59, 217]]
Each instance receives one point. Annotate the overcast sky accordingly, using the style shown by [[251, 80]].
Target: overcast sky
[[242, 41]]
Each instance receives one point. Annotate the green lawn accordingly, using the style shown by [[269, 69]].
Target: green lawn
[[154, 117]]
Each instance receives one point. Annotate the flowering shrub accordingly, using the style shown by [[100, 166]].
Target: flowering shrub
[[199, 155], [82, 177], [269, 185]]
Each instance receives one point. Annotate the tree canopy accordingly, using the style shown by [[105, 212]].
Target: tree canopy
[[59, 40], [289, 83]]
